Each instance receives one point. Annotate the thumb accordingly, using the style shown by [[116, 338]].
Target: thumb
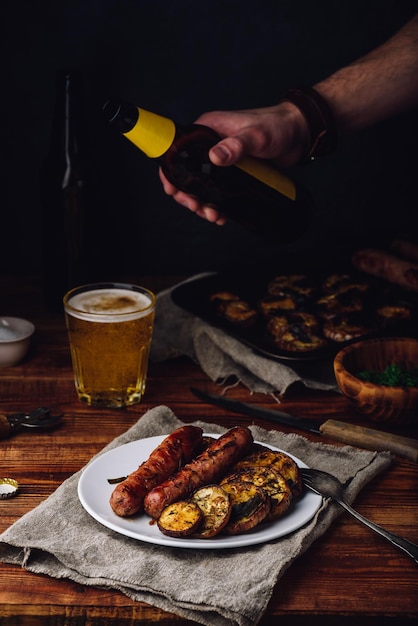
[[228, 151]]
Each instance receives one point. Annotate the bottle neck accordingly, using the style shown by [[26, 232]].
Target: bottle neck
[[67, 119], [153, 134]]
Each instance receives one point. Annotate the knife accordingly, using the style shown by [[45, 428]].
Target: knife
[[344, 432]]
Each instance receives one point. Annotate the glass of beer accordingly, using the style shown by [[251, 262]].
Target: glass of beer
[[110, 330]]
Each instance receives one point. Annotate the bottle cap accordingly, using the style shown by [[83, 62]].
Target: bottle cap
[[8, 488], [121, 115]]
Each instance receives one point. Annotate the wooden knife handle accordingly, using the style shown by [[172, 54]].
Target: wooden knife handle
[[4, 427], [371, 439]]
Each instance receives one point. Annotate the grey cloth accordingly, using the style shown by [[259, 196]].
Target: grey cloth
[[211, 587], [222, 357]]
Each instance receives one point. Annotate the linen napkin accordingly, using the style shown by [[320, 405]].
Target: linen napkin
[[212, 587], [223, 358]]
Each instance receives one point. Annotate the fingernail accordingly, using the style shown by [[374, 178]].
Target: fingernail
[[221, 153]]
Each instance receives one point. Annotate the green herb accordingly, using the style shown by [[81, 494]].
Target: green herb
[[394, 375]]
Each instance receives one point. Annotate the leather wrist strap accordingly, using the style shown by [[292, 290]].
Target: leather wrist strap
[[320, 120]]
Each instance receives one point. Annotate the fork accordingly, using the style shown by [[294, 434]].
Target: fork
[[329, 486]]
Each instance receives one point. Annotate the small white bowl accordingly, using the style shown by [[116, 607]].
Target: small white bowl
[[15, 336]]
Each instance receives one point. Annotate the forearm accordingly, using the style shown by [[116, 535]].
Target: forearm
[[377, 86], [380, 85]]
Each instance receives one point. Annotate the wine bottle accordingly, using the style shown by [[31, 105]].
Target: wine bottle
[[62, 192], [251, 192]]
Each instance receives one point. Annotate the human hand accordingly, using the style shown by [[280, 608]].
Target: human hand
[[279, 133]]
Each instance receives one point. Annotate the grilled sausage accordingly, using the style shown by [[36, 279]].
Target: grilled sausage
[[387, 266], [174, 451], [207, 468]]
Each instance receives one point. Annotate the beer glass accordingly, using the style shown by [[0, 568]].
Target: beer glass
[[110, 330]]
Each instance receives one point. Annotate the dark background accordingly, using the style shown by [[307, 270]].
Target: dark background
[[180, 58]]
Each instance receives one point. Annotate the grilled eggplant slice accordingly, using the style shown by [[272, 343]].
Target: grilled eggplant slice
[[234, 309], [389, 314], [345, 328], [250, 506], [224, 296], [237, 312], [298, 332], [180, 519], [296, 283], [340, 283], [270, 481], [279, 461], [216, 508], [276, 305]]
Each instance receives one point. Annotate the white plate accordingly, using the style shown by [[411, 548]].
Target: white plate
[[94, 492]]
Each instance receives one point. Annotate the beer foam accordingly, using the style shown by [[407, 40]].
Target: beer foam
[[109, 305]]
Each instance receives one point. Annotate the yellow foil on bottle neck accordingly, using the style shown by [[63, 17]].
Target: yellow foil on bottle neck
[[153, 134], [268, 175]]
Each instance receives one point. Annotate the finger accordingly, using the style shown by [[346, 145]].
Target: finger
[[168, 187], [188, 202], [205, 212], [228, 151], [208, 213], [212, 215]]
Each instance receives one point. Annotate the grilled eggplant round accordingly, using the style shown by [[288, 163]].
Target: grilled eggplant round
[[279, 461], [216, 508], [270, 481], [180, 519], [250, 506]]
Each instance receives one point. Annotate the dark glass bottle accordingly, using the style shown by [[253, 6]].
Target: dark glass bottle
[[63, 194], [252, 192]]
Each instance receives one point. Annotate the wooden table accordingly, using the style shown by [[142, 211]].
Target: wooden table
[[348, 576]]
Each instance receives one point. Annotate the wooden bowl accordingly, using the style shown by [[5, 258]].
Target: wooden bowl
[[380, 403]]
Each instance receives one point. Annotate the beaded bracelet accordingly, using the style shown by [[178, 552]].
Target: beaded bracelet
[[320, 120]]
